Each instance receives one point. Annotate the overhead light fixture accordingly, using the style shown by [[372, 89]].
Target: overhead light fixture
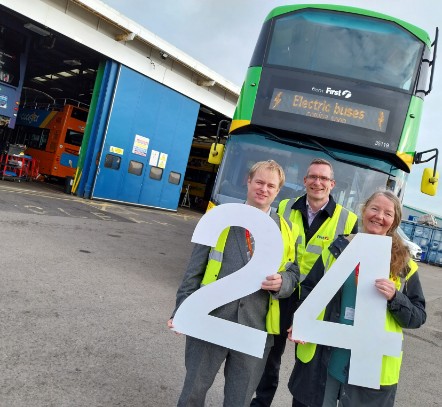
[[164, 55], [206, 110], [37, 29], [64, 74]]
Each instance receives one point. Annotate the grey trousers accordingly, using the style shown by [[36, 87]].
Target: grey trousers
[[203, 360]]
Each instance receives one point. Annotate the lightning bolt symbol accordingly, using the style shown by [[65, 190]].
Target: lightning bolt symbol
[[277, 100], [381, 120]]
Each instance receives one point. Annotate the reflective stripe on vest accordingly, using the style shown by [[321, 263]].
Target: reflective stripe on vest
[[342, 222], [391, 365], [215, 259], [289, 233], [215, 255]]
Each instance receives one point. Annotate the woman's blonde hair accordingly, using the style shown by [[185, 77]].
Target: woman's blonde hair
[[400, 255]]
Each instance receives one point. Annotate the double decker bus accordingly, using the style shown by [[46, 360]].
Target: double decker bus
[[52, 136], [333, 82]]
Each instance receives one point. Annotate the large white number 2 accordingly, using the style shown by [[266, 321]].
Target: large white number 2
[[192, 316], [367, 338]]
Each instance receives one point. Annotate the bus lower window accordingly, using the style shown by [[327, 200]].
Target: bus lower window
[[156, 173], [112, 161], [174, 177], [135, 167], [33, 137]]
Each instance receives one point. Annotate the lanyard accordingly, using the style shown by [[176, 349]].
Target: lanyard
[[357, 274], [249, 243]]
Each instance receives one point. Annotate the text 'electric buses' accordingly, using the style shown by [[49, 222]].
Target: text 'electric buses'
[[339, 83]]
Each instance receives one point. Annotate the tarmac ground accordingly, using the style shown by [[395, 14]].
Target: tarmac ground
[[87, 288]]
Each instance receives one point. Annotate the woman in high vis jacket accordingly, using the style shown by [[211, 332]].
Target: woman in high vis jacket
[[320, 374], [258, 310]]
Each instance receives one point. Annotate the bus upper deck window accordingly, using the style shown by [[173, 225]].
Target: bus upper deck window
[[79, 114], [346, 45]]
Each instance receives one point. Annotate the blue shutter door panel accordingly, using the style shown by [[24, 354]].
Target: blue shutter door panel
[[146, 108]]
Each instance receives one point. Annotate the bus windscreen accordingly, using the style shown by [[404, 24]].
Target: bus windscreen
[[345, 45]]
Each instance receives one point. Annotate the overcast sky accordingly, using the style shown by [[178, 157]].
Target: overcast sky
[[222, 36]]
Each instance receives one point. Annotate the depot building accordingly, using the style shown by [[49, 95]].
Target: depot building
[[103, 102]]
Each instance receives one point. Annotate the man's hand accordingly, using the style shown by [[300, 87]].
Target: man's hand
[[289, 337], [170, 325], [272, 283]]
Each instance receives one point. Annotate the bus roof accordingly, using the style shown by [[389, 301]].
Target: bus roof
[[418, 32]]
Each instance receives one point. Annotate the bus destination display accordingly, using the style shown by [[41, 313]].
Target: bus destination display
[[325, 108]]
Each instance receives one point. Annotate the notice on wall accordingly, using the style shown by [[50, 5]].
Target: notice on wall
[[154, 155], [163, 160], [141, 144], [116, 150]]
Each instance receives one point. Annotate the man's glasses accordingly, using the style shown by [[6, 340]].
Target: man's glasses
[[318, 178]]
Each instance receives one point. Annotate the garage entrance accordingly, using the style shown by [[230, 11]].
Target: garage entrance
[[139, 125]]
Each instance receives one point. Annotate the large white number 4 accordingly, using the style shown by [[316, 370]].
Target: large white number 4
[[367, 338]]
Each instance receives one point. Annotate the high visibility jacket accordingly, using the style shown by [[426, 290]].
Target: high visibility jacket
[[289, 234], [391, 365], [341, 223]]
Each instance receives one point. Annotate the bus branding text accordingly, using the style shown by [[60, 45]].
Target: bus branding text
[[326, 108]]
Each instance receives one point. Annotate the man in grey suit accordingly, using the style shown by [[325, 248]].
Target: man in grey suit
[[203, 359]]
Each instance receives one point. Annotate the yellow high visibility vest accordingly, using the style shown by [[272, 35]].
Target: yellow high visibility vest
[[289, 235], [341, 223]]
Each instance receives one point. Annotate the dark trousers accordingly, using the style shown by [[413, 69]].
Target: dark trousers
[[268, 385]]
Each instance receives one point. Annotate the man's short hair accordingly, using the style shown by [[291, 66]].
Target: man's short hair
[[271, 165], [321, 161]]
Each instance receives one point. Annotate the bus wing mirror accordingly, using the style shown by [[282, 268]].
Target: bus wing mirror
[[216, 153], [431, 64], [429, 181], [433, 61], [217, 149]]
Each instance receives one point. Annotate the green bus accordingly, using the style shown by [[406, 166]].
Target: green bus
[[339, 83]]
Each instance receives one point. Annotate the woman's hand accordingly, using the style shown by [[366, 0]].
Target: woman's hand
[[386, 287]]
